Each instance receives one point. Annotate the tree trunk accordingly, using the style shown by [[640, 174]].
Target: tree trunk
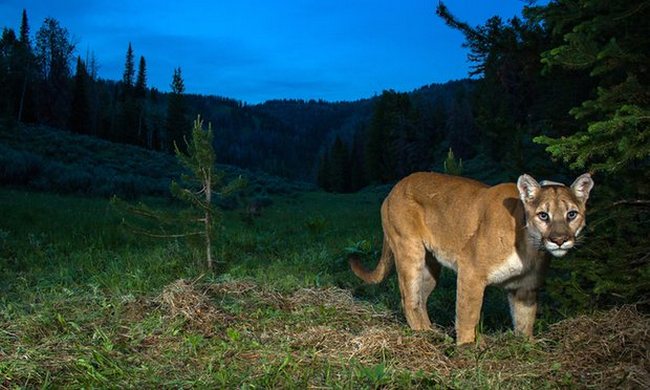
[[208, 219], [22, 100], [208, 243]]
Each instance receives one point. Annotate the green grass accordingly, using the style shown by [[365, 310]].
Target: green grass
[[84, 303]]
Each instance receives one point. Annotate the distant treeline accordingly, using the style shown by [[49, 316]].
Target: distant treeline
[[44, 82], [403, 133]]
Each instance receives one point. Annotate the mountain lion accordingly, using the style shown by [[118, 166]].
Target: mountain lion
[[489, 235]]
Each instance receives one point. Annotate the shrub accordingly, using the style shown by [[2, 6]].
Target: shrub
[[18, 168], [451, 165]]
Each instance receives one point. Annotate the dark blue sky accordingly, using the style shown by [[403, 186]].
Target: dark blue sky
[[255, 50]]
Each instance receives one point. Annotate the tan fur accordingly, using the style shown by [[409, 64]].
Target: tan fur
[[488, 235]]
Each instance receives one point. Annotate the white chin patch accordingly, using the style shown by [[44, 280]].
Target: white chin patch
[[558, 252]]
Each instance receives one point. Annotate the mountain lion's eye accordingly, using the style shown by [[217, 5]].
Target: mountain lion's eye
[[543, 216], [571, 215]]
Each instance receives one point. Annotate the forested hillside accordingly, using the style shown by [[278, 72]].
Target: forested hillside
[[45, 82], [344, 146]]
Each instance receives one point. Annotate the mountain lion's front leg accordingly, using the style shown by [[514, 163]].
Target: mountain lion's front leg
[[469, 299], [523, 308]]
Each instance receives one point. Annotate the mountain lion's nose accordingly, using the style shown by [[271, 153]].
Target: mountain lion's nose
[[559, 239]]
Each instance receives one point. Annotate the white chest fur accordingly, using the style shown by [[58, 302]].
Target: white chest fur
[[511, 267]]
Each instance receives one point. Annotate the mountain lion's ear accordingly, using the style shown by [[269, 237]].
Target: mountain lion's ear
[[581, 187], [528, 188]]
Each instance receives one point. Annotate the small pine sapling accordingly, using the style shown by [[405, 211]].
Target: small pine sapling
[[202, 183], [451, 165]]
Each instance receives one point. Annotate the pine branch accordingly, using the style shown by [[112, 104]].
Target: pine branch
[[633, 202], [143, 213], [154, 235], [470, 33], [641, 261], [632, 11]]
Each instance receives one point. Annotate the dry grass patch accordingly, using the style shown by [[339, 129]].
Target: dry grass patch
[[605, 350], [421, 351], [247, 330], [191, 302], [610, 348]]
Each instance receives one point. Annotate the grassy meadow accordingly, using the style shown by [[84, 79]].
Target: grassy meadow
[[86, 303]]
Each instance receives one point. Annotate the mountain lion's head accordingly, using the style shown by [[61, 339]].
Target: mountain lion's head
[[555, 214]]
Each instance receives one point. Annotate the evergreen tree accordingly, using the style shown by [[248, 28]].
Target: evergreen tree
[[16, 68], [339, 167], [7, 55], [451, 166], [357, 174], [459, 126], [610, 41], [26, 70], [379, 164], [155, 122], [594, 57], [202, 183], [54, 52], [324, 169], [96, 92], [388, 137], [129, 123], [129, 70], [80, 111], [513, 101], [24, 30], [140, 92], [141, 81], [177, 127], [91, 65], [199, 187]]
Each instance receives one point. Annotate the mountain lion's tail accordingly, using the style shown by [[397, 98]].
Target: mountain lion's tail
[[379, 273]]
